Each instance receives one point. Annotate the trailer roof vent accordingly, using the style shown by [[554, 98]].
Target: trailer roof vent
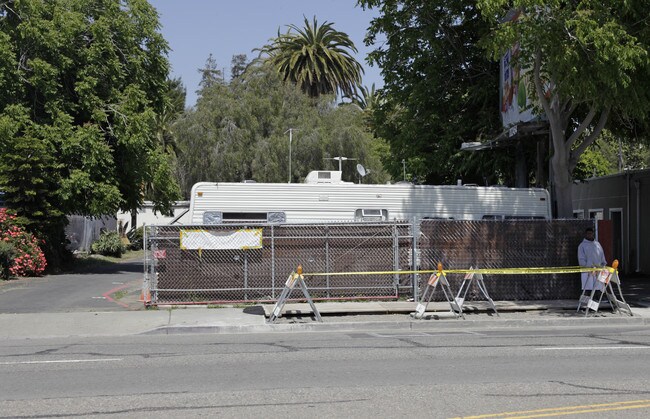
[[324, 176]]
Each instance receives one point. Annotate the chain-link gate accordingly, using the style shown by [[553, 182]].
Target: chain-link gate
[[244, 263]]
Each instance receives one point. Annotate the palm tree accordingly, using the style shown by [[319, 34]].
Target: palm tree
[[367, 98], [317, 58]]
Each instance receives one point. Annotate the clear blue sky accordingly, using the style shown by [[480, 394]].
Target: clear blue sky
[[197, 28]]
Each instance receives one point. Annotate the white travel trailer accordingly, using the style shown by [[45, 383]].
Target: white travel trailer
[[324, 197]]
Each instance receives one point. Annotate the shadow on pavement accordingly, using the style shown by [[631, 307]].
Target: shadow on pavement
[[636, 290], [256, 310], [104, 267]]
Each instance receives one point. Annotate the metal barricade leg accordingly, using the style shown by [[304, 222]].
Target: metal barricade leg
[[481, 286], [303, 286], [617, 301], [584, 298], [466, 285], [591, 304], [432, 284], [288, 287]]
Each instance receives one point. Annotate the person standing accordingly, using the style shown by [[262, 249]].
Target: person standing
[[590, 254]]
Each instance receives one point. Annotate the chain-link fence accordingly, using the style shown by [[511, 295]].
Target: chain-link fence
[[507, 244], [219, 263], [245, 263]]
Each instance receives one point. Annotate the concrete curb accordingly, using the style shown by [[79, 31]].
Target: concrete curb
[[416, 325], [231, 320]]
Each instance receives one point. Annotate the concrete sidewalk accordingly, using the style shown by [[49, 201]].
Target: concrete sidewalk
[[298, 317]]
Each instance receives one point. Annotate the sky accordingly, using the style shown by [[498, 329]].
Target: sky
[[195, 29]]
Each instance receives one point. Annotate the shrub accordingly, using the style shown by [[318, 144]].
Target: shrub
[[7, 255], [136, 237], [108, 244], [25, 255]]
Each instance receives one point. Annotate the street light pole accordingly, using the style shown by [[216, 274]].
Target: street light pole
[[290, 131]]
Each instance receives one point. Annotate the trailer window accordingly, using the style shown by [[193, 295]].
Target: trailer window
[[244, 216], [218, 217], [371, 215], [524, 217]]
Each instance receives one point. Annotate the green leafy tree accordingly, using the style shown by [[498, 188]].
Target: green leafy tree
[[611, 154], [239, 131], [81, 83], [440, 91], [318, 58], [210, 73], [238, 65], [590, 67]]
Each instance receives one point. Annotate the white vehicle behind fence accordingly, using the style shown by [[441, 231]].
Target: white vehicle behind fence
[[324, 197]]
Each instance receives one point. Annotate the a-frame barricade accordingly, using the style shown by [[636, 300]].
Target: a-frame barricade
[[472, 278], [437, 278], [289, 285], [607, 277]]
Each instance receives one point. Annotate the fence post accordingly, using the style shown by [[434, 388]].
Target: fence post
[[150, 285], [395, 258], [272, 263], [415, 229], [146, 285], [245, 274], [327, 259]]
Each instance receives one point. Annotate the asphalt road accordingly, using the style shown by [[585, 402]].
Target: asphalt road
[[113, 287], [581, 372]]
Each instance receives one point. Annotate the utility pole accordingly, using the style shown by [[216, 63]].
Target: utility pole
[[404, 168], [290, 131]]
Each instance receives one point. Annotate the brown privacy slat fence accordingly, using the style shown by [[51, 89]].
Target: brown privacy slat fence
[[238, 273]]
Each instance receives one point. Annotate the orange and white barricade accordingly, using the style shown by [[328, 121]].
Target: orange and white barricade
[[294, 278], [608, 277], [437, 278], [469, 279]]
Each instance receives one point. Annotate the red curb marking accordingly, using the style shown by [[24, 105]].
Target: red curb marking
[[107, 295]]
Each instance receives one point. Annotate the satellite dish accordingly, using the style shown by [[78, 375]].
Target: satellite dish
[[361, 170]]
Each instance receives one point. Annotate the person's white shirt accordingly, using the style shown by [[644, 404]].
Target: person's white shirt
[[590, 253]]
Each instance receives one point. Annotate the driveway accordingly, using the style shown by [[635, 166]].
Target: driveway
[[114, 287]]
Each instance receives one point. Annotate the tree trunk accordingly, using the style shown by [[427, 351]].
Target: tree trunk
[[562, 182], [563, 195], [134, 218]]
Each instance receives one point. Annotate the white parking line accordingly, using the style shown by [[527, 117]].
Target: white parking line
[[591, 348], [62, 361]]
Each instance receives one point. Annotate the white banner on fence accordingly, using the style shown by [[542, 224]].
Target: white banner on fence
[[245, 238]]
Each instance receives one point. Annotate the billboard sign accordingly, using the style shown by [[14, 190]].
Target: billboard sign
[[516, 86]]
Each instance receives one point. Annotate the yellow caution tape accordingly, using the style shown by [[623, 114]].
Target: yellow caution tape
[[487, 271]]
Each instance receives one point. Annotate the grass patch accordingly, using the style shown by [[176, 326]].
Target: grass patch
[[128, 256], [119, 294]]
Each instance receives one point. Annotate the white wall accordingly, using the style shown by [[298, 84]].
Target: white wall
[[147, 216]]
